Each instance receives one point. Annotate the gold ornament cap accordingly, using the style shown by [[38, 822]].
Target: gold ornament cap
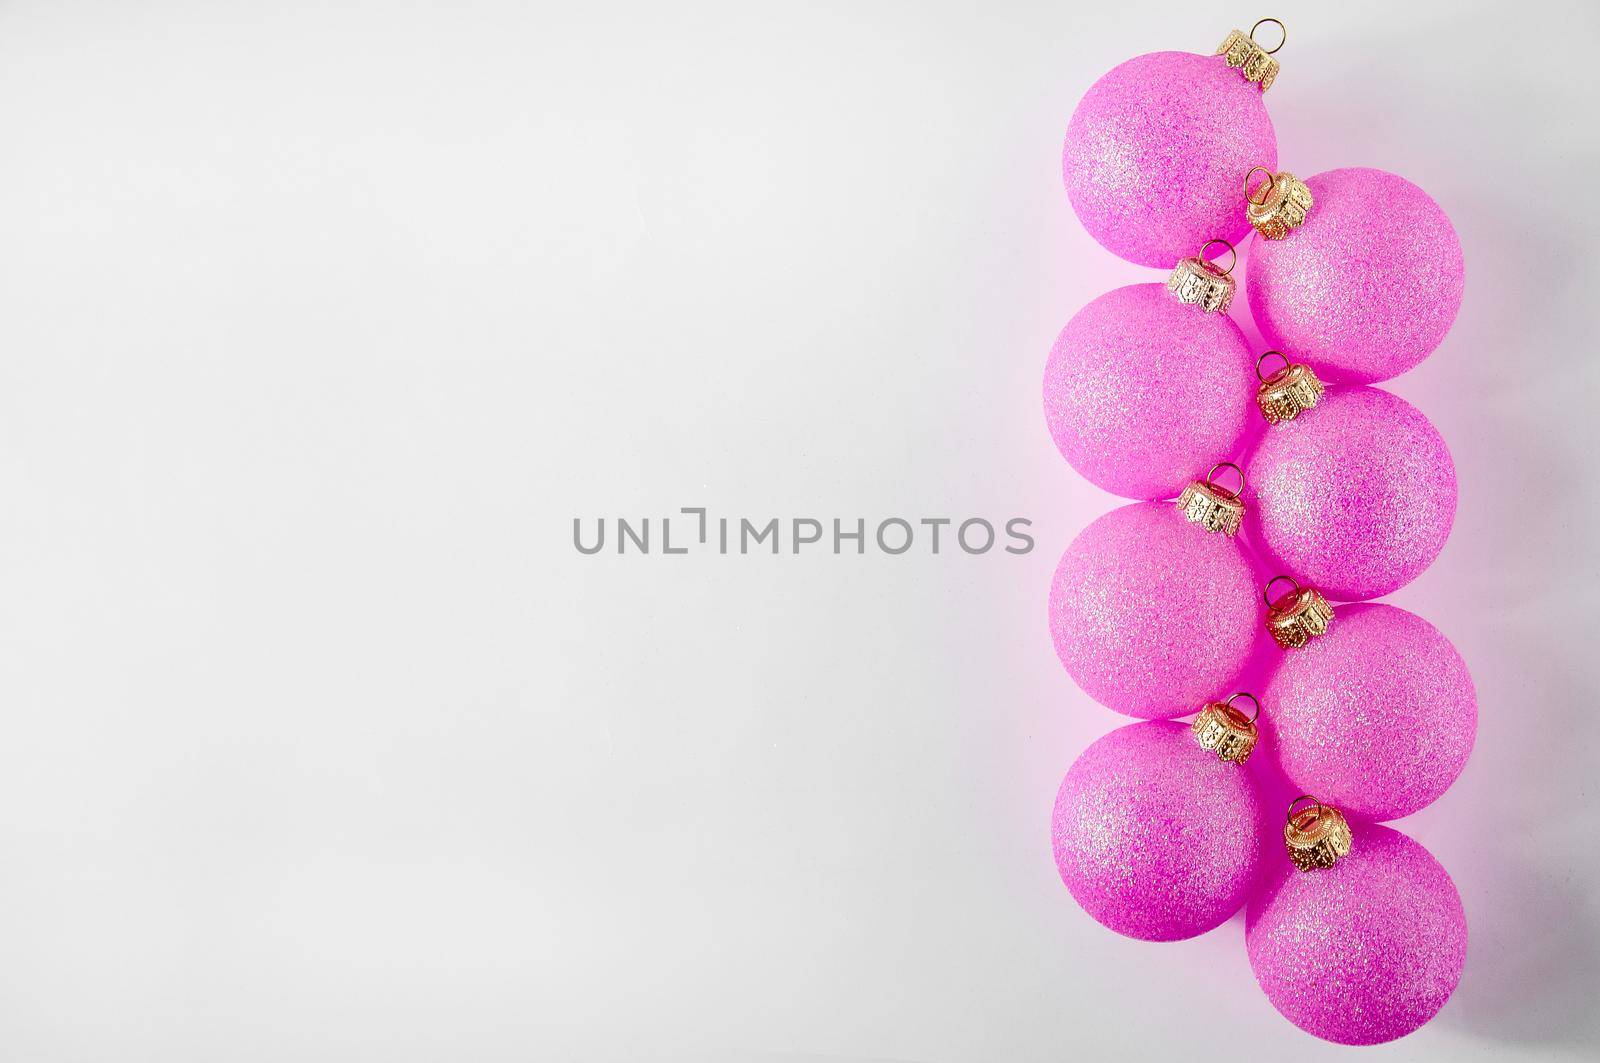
[[1279, 204], [1316, 837], [1253, 61], [1200, 283], [1212, 506], [1226, 731], [1297, 617], [1284, 393]]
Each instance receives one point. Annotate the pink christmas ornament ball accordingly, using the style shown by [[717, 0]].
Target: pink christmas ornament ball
[[1355, 496], [1142, 392], [1156, 153], [1155, 837], [1377, 717], [1364, 951], [1368, 286], [1152, 615]]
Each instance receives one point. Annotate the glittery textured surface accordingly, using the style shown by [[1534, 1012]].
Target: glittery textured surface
[[1154, 836], [1142, 393], [1156, 152], [1377, 717], [1152, 615], [1362, 952], [1355, 497], [1368, 286]]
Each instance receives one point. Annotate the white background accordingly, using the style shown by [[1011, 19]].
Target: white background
[[321, 321]]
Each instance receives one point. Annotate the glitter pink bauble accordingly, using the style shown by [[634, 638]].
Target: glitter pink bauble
[[1155, 837], [1156, 153], [1152, 615], [1362, 952], [1368, 286], [1377, 717], [1355, 496], [1142, 393]]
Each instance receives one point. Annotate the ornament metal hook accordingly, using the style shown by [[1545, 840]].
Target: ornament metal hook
[[1266, 592], [1266, 186], [1211, 477], [1257, 715], [1264, 357], [1282, 30], [1318, 805], [1233, 259]]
